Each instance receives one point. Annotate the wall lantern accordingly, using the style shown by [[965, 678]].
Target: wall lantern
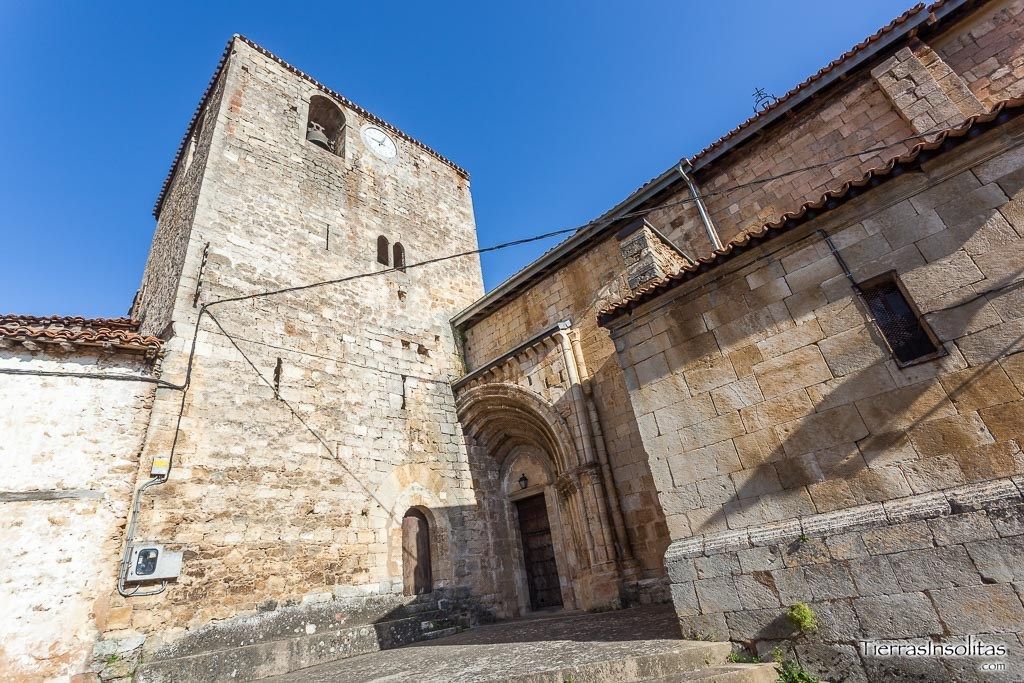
[[523, 482]]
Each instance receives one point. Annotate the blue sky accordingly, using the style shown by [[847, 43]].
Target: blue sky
[[558, 109]]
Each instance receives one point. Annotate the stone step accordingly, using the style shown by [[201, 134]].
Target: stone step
[[687, 657], [724, 673]]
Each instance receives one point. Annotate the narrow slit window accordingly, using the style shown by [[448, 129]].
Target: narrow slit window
[[898, 319], [383, 251], [399, 256]]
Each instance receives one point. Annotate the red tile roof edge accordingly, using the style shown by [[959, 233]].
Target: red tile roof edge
[[821, 73], [117, 333], [523, 277], [68, 321], [944, 140], [301, 74]]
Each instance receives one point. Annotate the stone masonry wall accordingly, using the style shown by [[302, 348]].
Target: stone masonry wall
[[983, 53], [295, 497], [154, 305], [858, 116], [988, 51], [68, 457], [770, 406], [576, 292]]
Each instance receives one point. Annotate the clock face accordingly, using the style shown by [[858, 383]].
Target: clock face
[[379, 142]]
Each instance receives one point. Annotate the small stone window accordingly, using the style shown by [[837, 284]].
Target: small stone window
[[907, 334], [325, 126], [399, 261], [383, 251]]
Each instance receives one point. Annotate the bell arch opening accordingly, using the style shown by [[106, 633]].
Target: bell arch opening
[[325, 125]]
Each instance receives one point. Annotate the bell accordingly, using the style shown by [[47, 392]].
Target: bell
[[315, 134]]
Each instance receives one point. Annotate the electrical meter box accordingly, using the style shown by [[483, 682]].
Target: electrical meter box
[[151, 562]]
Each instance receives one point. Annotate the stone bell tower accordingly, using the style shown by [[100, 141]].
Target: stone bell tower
[[315, 420]]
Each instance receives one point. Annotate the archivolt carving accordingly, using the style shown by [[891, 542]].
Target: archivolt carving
[[501, 416]]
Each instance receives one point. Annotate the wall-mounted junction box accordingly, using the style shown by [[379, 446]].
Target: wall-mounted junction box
[[150, 562], [161, 466]]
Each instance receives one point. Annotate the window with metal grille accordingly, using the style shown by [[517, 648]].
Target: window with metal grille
[[897, 318]]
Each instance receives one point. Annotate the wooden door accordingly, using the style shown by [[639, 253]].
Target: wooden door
[[416, 574], [538, 553]]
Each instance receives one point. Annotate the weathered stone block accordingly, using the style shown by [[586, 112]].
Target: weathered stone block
[[684, 412], [799, 552], [906, 407], [717, 595], [704, 627], [757, 590], [898, 538], [980, 609], [1004, 421], [711, 431], [870, 381], [955, 529], [933, 473], [846, 546], [874, 576], [791, 585], [993, 343], [853, 350], [777, 410], [999, 560], [684, 599], [760, 559], [906, 615], [932, 568], [821, 430], [950, 434], [1008, 521], [979, 387], [709, 373], [791, 339], [759, 447], [681, 570], [759, 624], [830, 581], [832, 661], [791, 371], [991, 461], [715, 566], [758, 481], [737, 395]]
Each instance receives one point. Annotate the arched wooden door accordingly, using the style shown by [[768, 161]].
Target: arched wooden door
[[417, 577]]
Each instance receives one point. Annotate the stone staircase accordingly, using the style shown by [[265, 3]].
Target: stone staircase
[[291, 638], [640, 645]]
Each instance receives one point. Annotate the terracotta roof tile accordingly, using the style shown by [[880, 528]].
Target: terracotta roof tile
[[807, 211], [69, 331]]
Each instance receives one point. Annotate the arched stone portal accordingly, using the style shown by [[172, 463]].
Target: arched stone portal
[[542, 502]]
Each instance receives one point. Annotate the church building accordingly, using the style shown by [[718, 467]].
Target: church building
[[788, 369]]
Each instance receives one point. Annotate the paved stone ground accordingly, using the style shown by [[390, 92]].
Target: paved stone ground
[[538, 648]]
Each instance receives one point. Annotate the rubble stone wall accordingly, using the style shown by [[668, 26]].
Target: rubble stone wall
[[296, 461], [68, 458]]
